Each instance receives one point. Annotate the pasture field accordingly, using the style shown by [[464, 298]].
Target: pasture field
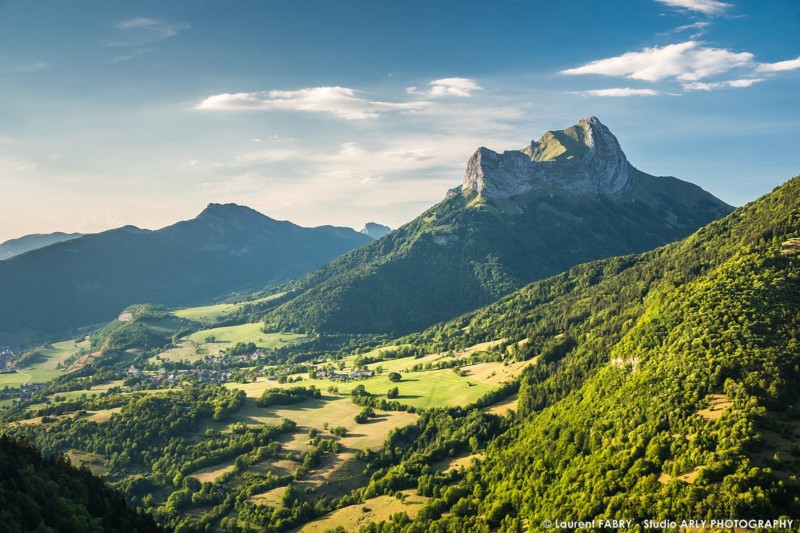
[[372, 510], [210, 314], [44, 367], [454, 463], [17, 379], [213, 314], [407, 363], [165, 326], [230, 335], [185, 351], [211, 473], [313, 413], [97, 389], [426, 389], [95, 463], [504, 407]]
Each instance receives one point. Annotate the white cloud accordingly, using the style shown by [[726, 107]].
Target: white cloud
[[342, 102], [697, 29], [706, 7], [735, 84], [454, 87], [619, 92], [689, 61], [142, 30], [780, 66], [448, 87]]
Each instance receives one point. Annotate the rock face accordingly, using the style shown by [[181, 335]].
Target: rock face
[[585, 158], [375, 231]]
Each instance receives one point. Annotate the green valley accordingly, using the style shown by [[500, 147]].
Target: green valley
[[665, 381]]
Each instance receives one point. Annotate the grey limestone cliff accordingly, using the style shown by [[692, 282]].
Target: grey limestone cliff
[[585, 158]]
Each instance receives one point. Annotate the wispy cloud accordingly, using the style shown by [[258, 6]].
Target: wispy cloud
[[707, 7], [16, 165], [270, 155], [142, 31], [448, 87], [780, 66], [728, 84], [688, 61], [132, 55], [696, 26], [695, 30], [619, 92], [342, 102]]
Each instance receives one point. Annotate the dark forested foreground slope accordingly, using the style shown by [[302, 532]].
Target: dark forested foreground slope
[[519, 216], [38, 494], [664, 386], [226, 248]]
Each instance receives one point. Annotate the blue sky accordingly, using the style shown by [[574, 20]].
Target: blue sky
[[341, 112]]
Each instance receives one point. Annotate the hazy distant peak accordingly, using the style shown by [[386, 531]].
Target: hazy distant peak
[[221, 210], [130, 228], [27, 243], [584, 158], [375, 230]]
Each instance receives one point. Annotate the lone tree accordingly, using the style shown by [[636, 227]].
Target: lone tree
[[394, 377]]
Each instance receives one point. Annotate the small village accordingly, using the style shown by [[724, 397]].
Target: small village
[[199, 374], [6, 358]]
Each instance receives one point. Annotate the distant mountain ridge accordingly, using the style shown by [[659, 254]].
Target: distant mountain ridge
[[519, 216], [26, 243], [225, 249]]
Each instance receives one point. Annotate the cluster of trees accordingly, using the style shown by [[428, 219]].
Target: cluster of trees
[[287, 396], [242, 348]]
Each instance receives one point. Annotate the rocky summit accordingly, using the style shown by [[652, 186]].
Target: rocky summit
[[585, 158], [375, 230]]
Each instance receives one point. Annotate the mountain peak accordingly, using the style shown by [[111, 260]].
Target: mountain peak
[[375, 230], [584, 158], [214, 209]]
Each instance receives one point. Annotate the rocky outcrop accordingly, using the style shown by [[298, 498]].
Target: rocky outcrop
[[375, 231], [585, 158]]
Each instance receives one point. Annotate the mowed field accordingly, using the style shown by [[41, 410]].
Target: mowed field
[[435, 388], [330, 409], [423, 389], [43, 368], [186, 351], [372, 510]]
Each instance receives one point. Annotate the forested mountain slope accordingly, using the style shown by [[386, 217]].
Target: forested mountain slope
[[662, 386], [89, 280], [519, 216], [48, 494]]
